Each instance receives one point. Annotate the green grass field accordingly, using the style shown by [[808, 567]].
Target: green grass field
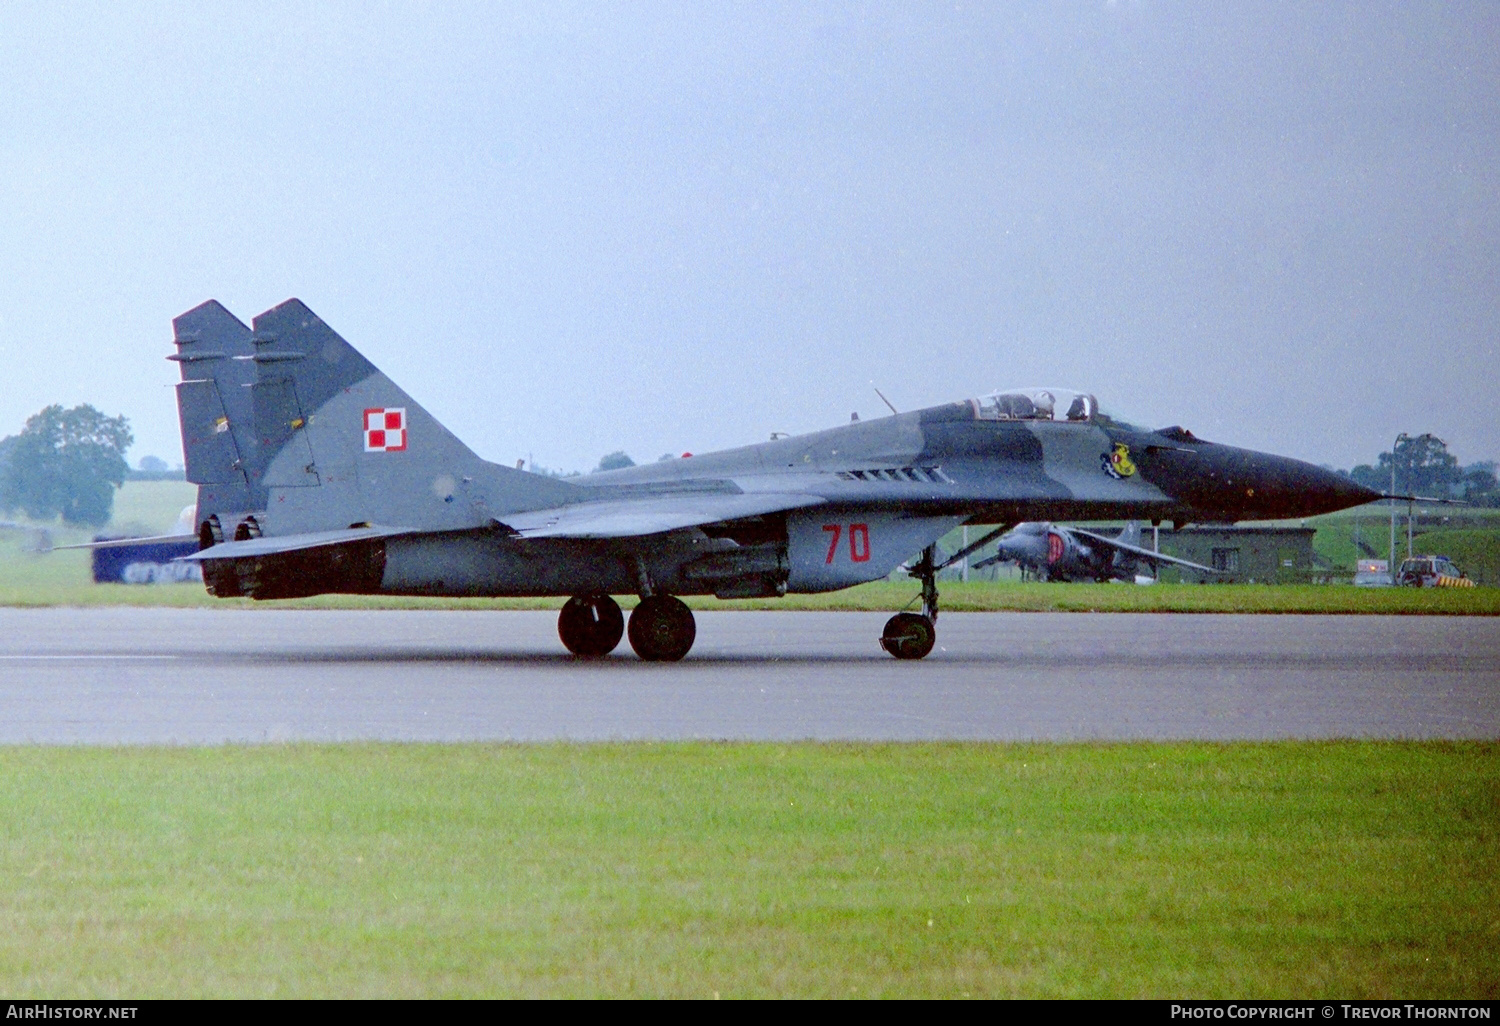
[[1340, 869], [62, 578], [1346, 869], [150, 507]]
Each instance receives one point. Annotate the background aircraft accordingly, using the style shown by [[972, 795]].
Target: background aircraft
[[37, 539], [150, 560], [317, 473], [1057, 553]]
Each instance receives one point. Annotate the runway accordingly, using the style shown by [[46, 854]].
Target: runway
[[204, 676]]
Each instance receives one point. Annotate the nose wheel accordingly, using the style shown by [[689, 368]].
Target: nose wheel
[[908, 636], [591, 625], [912, 635]]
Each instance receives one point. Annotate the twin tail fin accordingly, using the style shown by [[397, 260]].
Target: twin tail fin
[[288, 421]]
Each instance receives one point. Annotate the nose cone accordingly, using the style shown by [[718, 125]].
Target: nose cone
[[1335, 491], [1226, 483], [1306, 490]]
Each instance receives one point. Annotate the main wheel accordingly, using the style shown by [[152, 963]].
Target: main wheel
[[590, 625], [662, 629], [908, 636]]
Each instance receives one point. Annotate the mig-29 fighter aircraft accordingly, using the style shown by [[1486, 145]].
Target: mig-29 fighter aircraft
[[1055, 552], [316, 473]]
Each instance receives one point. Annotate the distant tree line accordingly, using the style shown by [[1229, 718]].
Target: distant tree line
[[65, 463], [1424, 466], [154, 468], [617, 460]]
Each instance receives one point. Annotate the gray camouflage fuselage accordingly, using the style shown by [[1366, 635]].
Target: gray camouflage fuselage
[[298, 501]]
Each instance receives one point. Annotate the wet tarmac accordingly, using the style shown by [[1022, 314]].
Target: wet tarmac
[[117, 675]]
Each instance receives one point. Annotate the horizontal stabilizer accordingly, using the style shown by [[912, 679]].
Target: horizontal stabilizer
[[1136, 550], [120, 543], [256, 547], [628, 518]]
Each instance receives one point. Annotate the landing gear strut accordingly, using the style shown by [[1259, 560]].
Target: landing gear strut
[[591, 625], [912, 635], [662, 629]]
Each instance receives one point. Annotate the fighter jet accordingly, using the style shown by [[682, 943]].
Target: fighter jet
[[316, 473], [1054, 552]]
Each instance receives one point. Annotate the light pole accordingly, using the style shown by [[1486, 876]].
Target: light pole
[[1395, 447]]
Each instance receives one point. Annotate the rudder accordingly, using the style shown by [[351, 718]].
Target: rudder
[[214, 413]]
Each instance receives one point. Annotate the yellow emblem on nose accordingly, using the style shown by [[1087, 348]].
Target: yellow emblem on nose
[[1118, 464]]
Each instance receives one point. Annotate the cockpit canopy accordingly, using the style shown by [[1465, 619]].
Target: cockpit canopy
[[1062, 404]]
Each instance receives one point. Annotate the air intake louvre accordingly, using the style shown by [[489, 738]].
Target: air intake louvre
[[919, 475]]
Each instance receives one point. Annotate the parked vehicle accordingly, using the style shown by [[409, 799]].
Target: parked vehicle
[[1432, 572], [1372, 573]]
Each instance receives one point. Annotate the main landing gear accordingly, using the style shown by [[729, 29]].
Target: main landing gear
[[912, 635], [662, 628], [591, 625]]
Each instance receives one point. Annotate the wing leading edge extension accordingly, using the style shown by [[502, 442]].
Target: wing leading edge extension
[[628, 518]]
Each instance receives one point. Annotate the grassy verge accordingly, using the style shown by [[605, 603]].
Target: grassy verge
[[999, 596], [1158, 598], [1291, 869]]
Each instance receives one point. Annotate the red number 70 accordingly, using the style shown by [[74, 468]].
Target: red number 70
[[859, 542]]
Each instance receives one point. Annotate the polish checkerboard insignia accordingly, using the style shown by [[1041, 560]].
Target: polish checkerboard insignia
[[385, 429]]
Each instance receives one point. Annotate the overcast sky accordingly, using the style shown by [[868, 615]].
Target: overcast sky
[[572, 228]]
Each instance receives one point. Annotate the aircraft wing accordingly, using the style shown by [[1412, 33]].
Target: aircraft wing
[[292, 543], [1136, 550], [651, 514]]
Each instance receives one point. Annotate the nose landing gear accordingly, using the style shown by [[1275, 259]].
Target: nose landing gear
[[912, 635]]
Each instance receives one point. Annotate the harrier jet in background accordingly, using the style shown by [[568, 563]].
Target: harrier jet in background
[[316, 473], [1057, 553]]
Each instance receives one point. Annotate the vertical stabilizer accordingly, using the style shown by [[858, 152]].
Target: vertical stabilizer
[[213, 409], [341, 443]]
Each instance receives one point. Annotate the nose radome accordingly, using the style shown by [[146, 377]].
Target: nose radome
[[1306, 490], [1221, 482], [1347, 492]]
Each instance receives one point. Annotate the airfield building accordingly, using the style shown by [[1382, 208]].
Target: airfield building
[[1244, 555]]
